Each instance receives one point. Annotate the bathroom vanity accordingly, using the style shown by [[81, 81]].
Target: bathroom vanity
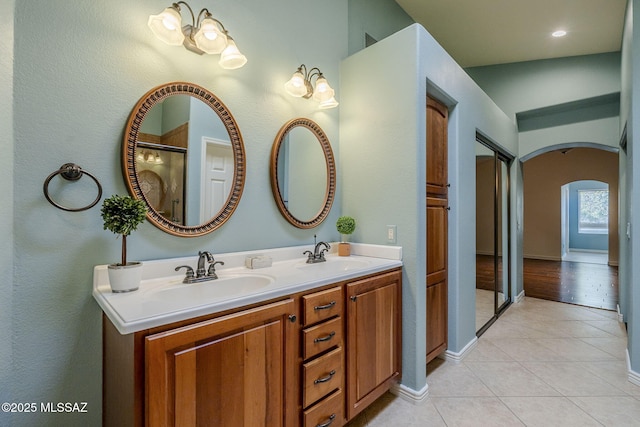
[[294, 344]]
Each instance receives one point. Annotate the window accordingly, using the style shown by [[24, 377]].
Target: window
[[593, 211]]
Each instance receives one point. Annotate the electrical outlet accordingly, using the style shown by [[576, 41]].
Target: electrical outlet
[[392, 232]]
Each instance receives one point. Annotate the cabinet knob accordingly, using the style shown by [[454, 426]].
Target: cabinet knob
[[292, 318], [354, 298]]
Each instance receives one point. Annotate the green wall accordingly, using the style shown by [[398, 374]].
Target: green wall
[[378, 18], [383, 132], [6, 208], [79, 70]]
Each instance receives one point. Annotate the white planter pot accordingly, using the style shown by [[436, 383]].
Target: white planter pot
[[125, 278]]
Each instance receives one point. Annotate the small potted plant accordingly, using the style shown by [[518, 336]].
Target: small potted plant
[[345, 225], [122, 215]]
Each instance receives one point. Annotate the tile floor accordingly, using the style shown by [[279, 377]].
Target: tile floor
[[542, 363]]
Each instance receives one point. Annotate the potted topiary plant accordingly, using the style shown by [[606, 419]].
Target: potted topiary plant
[[345, 225], [122, 215]]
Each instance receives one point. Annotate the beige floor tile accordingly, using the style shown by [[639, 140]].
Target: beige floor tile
[[486, 351], [612, 327], [510, 379], [400, 413], [611, 411], [615, 374], [574, 349], [475, 412], [549, 411], [451, 379], [527, 350], [572, 379], [572, 329], [616, 346]]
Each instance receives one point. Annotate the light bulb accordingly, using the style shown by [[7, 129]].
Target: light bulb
[[209, 38], [330, 103], [323, 91], [296, 85], [167, 26], [231, 58]]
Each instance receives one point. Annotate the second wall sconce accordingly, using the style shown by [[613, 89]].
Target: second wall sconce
[[205, 34], [300, 86]]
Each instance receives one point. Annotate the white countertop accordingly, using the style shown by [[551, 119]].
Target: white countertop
[[158, 301]]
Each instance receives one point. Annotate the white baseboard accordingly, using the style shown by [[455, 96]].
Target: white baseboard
[[452, 356], [633, 377], [519, 297], [620, 315], [409, 394]]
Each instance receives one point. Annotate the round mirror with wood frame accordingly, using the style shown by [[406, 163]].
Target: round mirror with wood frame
[[194, 217], [303, 173]]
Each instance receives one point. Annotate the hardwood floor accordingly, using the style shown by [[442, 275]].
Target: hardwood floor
[[591, 285]]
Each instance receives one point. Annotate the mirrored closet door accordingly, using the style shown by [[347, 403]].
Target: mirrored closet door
[[492, 233]]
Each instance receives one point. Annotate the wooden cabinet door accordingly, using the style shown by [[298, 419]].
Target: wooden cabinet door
[[437, 177], [226, 372], [373, 338], [437, 221]]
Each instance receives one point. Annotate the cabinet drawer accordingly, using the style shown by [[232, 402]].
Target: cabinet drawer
[[322, 305], [329, 412], [322, 337], [322, 376]]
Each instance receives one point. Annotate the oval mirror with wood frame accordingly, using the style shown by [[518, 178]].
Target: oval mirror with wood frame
[[303, 173], [184, 156]]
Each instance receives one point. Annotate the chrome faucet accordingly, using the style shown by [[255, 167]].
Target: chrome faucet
[[202, 258], [202, 274], [318, 254]]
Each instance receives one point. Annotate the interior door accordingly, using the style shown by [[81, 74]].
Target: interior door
[[437, 229], [217, 178]]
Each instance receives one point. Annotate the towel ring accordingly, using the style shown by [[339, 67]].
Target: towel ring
[[71, 172]]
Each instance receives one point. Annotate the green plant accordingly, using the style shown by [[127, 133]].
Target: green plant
[[122, 215], [346, 225]]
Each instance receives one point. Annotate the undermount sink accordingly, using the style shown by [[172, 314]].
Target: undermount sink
[[336, 264], [223, 287]]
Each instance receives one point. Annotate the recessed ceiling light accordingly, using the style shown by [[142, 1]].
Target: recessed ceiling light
[[559, 33]]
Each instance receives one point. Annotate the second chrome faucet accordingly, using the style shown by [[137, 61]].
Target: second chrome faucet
[[202, 274], [318, 253]]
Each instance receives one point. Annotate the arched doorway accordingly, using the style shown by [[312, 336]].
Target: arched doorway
[[544, 174]]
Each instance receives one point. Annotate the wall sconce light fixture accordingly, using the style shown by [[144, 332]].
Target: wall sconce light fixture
[[205, 34], [300, 86]]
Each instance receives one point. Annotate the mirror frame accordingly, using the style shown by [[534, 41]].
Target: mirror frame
[[331, 172], [130, 172]]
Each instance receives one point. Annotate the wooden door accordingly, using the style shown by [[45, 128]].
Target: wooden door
[[437, 175], [226, 372], [437, 229], [373, 339]]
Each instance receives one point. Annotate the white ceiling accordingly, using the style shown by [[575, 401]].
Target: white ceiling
[[485, 32]]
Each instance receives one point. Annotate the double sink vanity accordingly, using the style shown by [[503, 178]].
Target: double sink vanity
[[308, 339], [292, 344]]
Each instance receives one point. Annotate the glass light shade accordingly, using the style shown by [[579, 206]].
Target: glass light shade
[[296, 86], [158, 160], [330, 103], [323, 91], [231, 58], [209, 38], [167, 26]]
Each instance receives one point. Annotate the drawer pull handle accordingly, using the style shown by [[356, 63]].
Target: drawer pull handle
[[325, 307], [325, 379], [326, 338], [329, 421]]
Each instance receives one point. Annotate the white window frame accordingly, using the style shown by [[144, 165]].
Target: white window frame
[[592, 228]]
